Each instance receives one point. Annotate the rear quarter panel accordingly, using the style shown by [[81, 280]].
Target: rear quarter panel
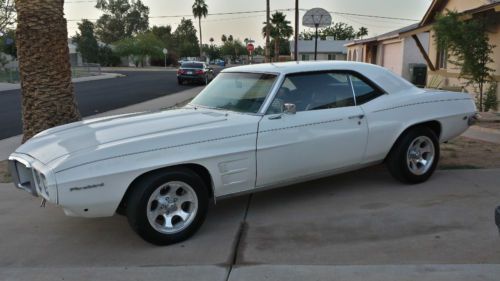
[[389, 115]]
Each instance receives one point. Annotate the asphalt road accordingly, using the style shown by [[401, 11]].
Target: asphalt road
[[97, 96]]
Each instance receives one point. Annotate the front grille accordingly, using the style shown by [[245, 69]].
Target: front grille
[[22, 176]]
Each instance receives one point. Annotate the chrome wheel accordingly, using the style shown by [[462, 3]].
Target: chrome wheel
[[420, 155], [172, 207]]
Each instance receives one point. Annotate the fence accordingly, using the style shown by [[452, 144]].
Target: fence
[[11, 75]]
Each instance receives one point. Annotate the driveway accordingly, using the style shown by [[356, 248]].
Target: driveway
[[358, 226]]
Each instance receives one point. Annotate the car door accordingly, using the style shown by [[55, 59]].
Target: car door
[[327, 132]]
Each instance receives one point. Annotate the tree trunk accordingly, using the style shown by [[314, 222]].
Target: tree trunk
[[201, 44], [268, 29], [44, 67]]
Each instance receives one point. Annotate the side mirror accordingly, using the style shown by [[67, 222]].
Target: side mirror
[[289, 108], [497, 218]]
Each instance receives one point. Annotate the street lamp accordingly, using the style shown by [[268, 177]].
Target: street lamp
[[165, 52]]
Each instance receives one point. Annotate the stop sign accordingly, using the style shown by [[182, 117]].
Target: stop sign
[[250, 47]]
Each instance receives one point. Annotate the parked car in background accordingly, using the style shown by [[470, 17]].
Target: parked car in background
[[255, 127], [195, 72]]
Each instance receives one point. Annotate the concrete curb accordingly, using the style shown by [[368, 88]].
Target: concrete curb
[[424, 272], [190, 272], [9, 145], [16, 86]]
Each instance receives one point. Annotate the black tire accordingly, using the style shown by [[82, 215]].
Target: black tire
[[397, 160], [179, 81], [137, 205]]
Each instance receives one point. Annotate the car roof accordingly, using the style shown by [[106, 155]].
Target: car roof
[[383, 77]]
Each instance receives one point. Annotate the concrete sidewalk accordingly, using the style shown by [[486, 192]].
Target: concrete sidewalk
[[15, 86], [357, 226], [7, 146], [483, 134]]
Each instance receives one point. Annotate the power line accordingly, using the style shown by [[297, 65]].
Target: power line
[[263, 11]]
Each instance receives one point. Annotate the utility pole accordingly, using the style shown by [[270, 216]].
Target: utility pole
[[296, 43], [268, 30]]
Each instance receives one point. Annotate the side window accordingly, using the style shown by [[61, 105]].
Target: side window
[[363, 91], [314, 91]]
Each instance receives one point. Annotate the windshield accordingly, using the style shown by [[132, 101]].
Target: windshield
[[241, 92], [192, 65]]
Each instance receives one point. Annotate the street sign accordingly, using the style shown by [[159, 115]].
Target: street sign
[[250, 47], [165, 51]]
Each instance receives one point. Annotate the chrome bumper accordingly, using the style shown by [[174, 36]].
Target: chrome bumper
[[473, 119], [22, 175]]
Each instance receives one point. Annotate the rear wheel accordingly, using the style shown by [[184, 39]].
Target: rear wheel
[[179, 81], [168, 207], [414, 157]]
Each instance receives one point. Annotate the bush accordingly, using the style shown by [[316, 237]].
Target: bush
[[491, 99], [107, 57]]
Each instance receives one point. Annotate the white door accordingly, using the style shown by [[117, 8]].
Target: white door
[[328, 131]]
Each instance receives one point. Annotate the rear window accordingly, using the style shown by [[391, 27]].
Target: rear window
[[192, 65]]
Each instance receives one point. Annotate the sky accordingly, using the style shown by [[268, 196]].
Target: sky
[[249, 25]]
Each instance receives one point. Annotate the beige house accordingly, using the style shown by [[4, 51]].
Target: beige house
[[400, 55], [441, 73]]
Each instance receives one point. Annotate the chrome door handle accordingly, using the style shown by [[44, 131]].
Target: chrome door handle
[[360, 116]]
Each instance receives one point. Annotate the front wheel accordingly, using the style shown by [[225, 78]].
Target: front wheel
[[415, 155], [168, 207]]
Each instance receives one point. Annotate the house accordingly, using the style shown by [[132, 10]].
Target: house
[[401, 55], [75, 57], [328, 49], [441, 73]]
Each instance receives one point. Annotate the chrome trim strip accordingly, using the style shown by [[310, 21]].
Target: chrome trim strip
[[270, 96]]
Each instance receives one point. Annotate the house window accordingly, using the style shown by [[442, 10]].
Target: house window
[[305, 56], [442, 59], [331, 56]]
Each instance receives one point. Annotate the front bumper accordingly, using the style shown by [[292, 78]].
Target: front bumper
[[32, 176]]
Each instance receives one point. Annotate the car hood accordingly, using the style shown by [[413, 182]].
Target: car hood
[[88, 136]]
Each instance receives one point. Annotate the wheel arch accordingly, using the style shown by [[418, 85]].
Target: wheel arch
[[200, 170], [434, 125]]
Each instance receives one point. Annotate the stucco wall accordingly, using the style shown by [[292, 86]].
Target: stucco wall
[[448, 77], [412, 54]]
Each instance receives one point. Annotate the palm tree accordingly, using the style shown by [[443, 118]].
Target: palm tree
[[223, 38], [211, 40], [230, 38], [200, 9], [44, 67], [279, 29]]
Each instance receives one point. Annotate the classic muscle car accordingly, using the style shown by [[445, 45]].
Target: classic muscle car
[[254, 127]]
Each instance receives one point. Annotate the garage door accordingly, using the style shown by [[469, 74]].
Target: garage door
[[393, 57]]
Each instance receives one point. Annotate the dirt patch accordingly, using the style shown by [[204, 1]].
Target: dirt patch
[[4, 173], [465, 153], [489, 125]]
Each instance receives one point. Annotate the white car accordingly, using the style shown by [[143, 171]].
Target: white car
[[254, 127]]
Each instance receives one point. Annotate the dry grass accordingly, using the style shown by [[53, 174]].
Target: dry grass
[[4, 173], [465, 153]]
